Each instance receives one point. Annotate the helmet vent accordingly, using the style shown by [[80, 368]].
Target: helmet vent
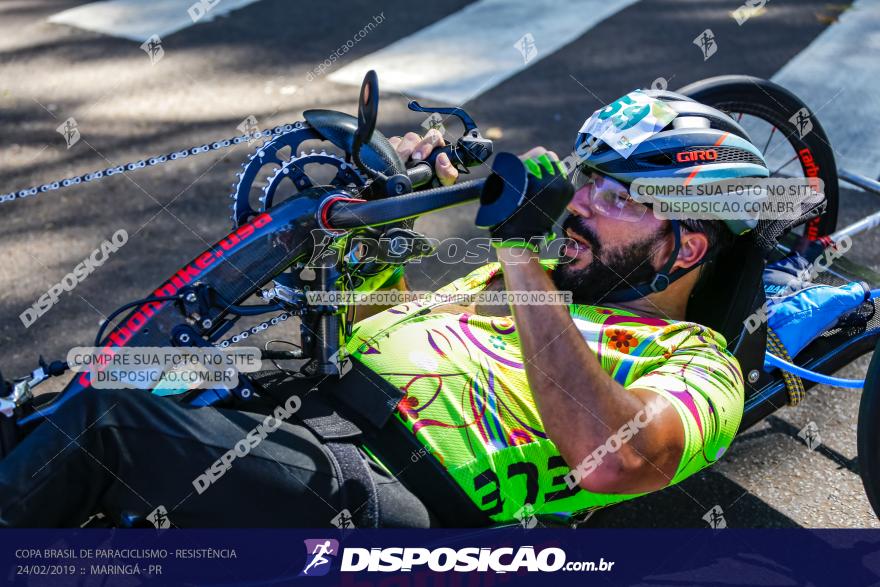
[[690, 122]]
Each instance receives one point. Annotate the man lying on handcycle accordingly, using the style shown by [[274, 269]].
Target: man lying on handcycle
[[555, 409]]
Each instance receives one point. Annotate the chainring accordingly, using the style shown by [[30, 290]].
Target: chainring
[[292, 170]]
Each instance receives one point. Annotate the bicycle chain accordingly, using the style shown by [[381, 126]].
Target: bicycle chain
[[173, 156], [255, 329]]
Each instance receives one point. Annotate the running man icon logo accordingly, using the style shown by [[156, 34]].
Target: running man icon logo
[[70, 131], [801, 120], [527, 47], [706, 42], [320, 553], [159, 518], [153, 48]]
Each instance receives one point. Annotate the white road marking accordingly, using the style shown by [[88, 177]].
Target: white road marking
[[838, 76], [478, 47], [140, 19]]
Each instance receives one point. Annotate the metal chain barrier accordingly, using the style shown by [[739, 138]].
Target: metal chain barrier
[[153, 161], [173, 156]]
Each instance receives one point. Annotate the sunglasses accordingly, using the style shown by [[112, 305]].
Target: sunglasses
[[608, 196]]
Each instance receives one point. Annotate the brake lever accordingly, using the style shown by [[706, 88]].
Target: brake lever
[[463, 116], [470, 150]]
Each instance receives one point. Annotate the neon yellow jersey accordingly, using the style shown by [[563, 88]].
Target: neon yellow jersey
[[468, 400]]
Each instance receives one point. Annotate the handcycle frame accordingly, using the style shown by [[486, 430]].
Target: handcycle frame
[[201, 301]]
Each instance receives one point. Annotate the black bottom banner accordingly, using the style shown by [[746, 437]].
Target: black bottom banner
[[435, 558]]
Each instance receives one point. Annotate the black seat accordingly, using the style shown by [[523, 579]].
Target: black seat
[[731, 291], [734, 290]]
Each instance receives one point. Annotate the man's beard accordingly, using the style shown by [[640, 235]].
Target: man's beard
[[609, 270]]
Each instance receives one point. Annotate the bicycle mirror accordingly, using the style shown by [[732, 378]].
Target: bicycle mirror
[[368, 108]]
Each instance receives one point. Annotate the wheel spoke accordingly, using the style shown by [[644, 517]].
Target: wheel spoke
[[770, 138], [784, 165]]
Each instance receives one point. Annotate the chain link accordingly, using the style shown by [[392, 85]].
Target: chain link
[[255, 329], [173, 156]]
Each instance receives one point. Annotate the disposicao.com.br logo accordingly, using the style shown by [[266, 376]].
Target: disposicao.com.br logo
[[321, 552]]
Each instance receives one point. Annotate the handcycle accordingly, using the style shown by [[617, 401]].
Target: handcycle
[[265, 259]]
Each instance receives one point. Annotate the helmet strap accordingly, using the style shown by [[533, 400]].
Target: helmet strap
[[661, 279]]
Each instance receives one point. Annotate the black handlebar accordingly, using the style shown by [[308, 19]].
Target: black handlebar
[[346, 215], [470, 151], [420, 174]]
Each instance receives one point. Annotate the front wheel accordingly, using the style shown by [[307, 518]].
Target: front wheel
[[868, 433]]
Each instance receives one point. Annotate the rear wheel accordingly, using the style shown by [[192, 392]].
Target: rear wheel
[[868, 433], [767, 111]]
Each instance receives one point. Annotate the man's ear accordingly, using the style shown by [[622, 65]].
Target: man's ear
[[694, 247]]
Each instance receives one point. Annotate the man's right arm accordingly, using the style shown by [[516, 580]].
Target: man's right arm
[[413, 147]]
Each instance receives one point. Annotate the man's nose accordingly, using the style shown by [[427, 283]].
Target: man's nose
[[580, 203]]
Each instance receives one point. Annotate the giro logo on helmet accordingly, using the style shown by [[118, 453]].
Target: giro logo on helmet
[[701, 155]]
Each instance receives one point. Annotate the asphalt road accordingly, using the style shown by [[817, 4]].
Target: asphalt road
[[255, 61]]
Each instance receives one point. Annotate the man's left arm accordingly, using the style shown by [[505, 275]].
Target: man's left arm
[[580, 404]]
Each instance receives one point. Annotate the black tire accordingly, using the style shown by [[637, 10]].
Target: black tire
[[743, 94], [868, 433]]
